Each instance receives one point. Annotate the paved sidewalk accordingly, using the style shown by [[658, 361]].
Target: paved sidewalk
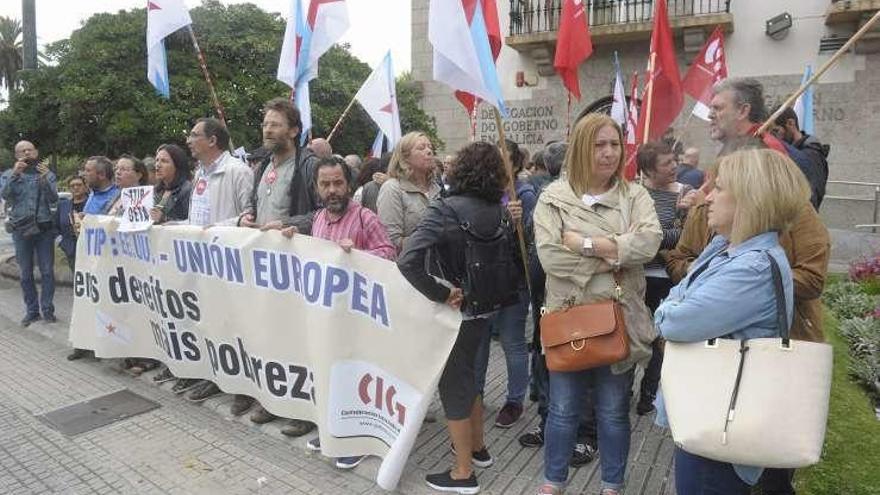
[[184, 447]]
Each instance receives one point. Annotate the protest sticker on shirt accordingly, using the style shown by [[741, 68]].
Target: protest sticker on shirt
[[136, 205]]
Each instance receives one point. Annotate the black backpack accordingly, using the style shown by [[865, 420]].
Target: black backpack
[[492, 275]]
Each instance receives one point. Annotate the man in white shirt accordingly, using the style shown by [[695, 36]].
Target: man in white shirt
[[221, 192], [222, 183]]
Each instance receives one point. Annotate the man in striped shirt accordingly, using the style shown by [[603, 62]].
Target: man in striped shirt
[[342, 220]]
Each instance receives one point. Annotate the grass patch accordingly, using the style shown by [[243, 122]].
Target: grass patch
[[851, 457]]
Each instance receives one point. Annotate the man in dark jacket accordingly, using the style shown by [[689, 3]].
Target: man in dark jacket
[[31, 196], [787, 128], [284, 184], [284, 195]]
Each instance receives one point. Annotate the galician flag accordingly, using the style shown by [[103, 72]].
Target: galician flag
[[306, 38], [462, 54], [378, 144], [618, 104], [378, 97], [803, 106], [163, 18]]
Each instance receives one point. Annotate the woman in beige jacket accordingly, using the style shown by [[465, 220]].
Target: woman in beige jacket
[[404, 197], [587, 225]]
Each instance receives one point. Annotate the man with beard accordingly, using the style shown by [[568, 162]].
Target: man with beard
[[786, 128], [283, 195], [342, 220], [350, 225]]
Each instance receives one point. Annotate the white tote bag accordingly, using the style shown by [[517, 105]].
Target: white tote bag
[[758, 402]]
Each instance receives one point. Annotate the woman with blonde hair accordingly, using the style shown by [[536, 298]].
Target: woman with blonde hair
[[758, 194], [590, 226], [404, 197]]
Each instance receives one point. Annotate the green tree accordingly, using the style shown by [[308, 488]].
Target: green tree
[[10, 52], [95, 98]]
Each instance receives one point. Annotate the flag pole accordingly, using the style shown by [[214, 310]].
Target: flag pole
[[204, 65], [687, 121], [511, 185], [649, 98], [833, 60], [344, 114], [568, 117]]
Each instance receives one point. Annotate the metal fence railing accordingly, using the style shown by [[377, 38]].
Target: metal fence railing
[[875, 199], [537, 16]]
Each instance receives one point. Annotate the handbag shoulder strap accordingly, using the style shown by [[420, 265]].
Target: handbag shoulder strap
[[781, 314]]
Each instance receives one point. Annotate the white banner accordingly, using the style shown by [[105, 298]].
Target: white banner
[[136, 205], [312, 332]]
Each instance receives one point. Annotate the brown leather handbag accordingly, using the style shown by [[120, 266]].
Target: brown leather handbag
[[585, 336]]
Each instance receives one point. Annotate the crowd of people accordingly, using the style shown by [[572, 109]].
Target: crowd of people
[[672, 249]]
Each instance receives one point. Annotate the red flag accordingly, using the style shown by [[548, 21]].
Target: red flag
[[632, 142], [663, 91], [573, 44], [490, 16], [709, 68]]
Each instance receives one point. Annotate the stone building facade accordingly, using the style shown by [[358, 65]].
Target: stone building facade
[[846, 104]]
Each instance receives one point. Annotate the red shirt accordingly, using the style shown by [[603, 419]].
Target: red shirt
[[360, 225]]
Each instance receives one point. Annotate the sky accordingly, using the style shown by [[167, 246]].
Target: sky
[[370, 35]]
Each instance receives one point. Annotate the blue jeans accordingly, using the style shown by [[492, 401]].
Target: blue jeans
[[610, 393], [43, 244], [695, 475], [511, 325]]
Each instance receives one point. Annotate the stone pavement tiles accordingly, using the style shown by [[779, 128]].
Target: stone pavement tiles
[[185, 448]]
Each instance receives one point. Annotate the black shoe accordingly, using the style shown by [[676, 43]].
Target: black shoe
[[27, 320], [479, 458], [203, 390], [583, 453], [443, 482], [532, 439], [164, 376], [645, 405], [241, 404], [77, 354], [50, 318], [184, 384]]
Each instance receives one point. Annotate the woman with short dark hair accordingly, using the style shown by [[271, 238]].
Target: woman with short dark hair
[[477, 181]]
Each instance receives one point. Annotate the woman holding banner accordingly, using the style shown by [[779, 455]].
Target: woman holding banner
[[447, 231], [130, 172], [594, 232]]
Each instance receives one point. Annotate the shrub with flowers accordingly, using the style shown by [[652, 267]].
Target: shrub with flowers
[[855, 303]]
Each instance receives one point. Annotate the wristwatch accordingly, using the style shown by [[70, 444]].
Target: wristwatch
[[587, 249]]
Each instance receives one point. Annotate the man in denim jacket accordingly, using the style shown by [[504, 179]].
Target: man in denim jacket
[[31, 196]]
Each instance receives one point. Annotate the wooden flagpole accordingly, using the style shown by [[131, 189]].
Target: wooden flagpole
[[204, 65], [344, 114], [833, 60], [649, 98], [520, 234]]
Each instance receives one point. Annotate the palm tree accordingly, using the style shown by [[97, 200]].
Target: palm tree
[[10, 52]]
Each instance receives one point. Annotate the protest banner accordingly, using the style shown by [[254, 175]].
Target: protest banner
[[136, 205], [312, 332]]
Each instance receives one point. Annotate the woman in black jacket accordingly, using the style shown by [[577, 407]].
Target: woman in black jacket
[[173, 186], [477, 185]]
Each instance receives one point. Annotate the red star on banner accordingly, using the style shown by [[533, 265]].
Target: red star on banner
[[153, 6], [389, 108], [110, 328]]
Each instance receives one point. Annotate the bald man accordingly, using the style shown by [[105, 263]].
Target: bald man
[[688, 173], [321, 148], [30, 194]]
